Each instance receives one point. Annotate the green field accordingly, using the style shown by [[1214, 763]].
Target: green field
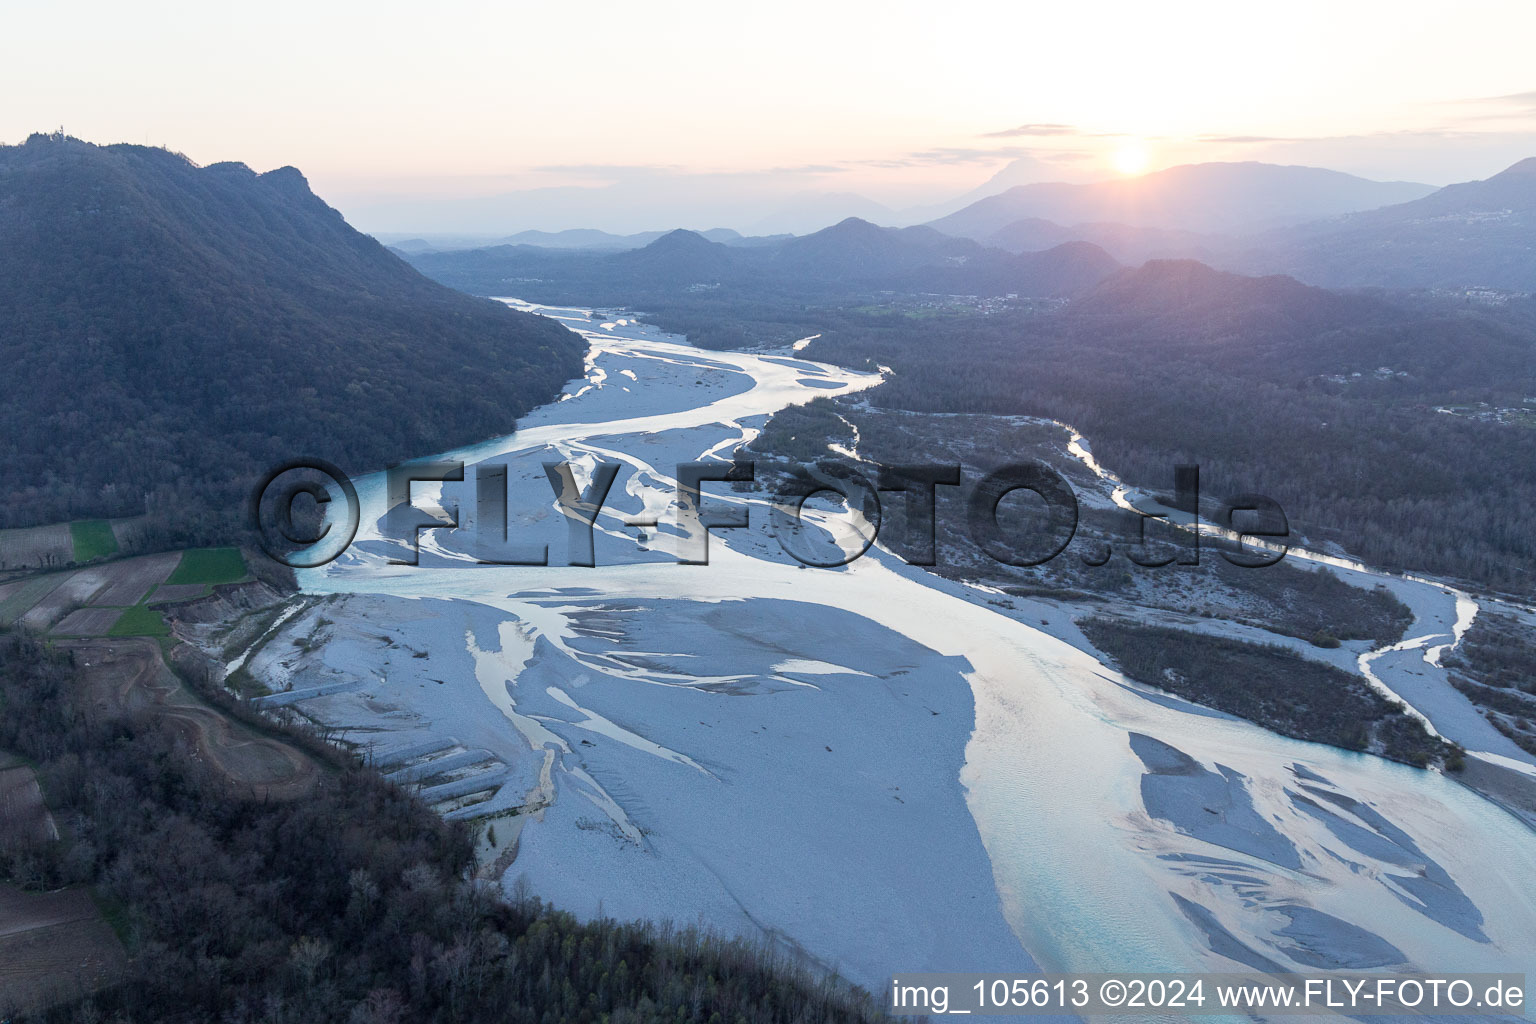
[[139, 621], [93, 539], [210, 566]]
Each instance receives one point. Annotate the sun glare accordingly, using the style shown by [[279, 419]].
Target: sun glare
[[1131, 158]]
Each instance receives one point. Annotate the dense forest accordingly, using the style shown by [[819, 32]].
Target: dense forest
[[172, 331], [349, 905]]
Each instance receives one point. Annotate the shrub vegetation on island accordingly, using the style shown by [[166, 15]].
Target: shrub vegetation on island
[[1499, 654], [1268, 685]]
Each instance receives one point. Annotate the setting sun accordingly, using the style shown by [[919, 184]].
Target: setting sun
[[1131, 158]]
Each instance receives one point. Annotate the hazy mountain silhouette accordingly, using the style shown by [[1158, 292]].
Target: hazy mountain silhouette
[[801, 213], [635, 200], [572, 238], [678, 257], [855, 249], [591, 238], [1022, 170], [1125, 243], [849, 256], [1217, 198]]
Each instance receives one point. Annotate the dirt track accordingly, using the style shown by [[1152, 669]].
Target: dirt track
[[128, 675], [56, 946]]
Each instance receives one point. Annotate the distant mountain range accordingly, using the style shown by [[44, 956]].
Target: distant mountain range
[[573, 238], [1212, 198], [171, 331], [1126, 243], [853, 255], [625, 201], [1320, 227]]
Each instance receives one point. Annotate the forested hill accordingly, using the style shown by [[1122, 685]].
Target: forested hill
[[170, 331], [1476, 234]]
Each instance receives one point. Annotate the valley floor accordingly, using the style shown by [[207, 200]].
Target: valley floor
[[876, 767]]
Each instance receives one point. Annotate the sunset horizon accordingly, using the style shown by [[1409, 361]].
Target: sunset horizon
[[826, 513]]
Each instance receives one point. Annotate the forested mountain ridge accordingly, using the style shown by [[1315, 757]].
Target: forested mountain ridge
[[1476, 234], [1215, 303], [174, 330], [1275, 327]]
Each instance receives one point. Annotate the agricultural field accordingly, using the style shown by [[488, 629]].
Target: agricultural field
[[37, 547], [53, 946], [130, 532], [92, 539], [88, 622], [22, 811], [170, 593], [132, 580], [140, 620], [19, 597], [77, 590], [210, 566], [117, 598], [58, 544]]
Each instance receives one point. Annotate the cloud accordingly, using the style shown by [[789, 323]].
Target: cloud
[[1460, 151], [1441, 134], [608, 170], [1514, 106], [1033, 130], [1518, 99], [954, 156], [809, 169], [1050, 131], [967, 155], [1524, 99], [1243, 139]]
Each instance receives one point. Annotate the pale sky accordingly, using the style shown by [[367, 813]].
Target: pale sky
[[387, 102]]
